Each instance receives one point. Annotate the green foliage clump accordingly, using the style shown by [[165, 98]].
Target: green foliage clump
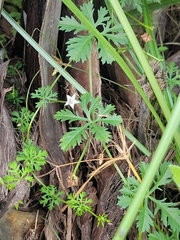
[[22, 118], [50, 196], [28, 160], [14, 97], [44, 96], [146, 218]]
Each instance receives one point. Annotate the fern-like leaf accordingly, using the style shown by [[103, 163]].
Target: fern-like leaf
[[163, 176], [170, 214], [100, 133], [124, 201], [72, 25], [65, 115], [144, 218], [113, 120], [73, 138], [158, 236], [79, 48]]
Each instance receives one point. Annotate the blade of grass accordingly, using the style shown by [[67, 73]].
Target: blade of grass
[[42, 52], [152, 169]]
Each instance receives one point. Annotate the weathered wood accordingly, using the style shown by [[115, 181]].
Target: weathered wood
[[35, 11], [7, 146], [7, 141], [51, 130]]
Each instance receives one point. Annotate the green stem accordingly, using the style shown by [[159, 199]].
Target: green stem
[[90, 76], [38, 180], [28, 91], [31, 122], [81, 157]]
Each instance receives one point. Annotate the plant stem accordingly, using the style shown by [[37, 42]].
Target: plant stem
[[28, 91], [90, 76], [31, 122], [38, 180], [81, 157]]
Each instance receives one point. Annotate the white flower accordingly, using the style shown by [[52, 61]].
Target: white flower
[[71, 100]]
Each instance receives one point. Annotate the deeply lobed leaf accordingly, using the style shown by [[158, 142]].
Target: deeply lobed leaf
[[100, 133], [170, 214], [73, 138], [145, 218], [79, 48], [69, 24], [67, 115]]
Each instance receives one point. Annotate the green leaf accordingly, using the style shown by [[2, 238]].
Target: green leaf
[[32, 156], [95, 105], [107, 110], [128, 192], [113, 120], [73, 138], [50, 196], [68, 24], [80, 204], [67, 115], [172, 77], [124, 201], [22, 119], [115, 34], [100, 133], [85, 99], [88, 11], [144, 218], [175, 170], [102, 17], [45, 96], [29, 178], [159, 236], [79, 48], [104, 55], [143, 168], [163, 176], [102, 219], [170, 214]]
